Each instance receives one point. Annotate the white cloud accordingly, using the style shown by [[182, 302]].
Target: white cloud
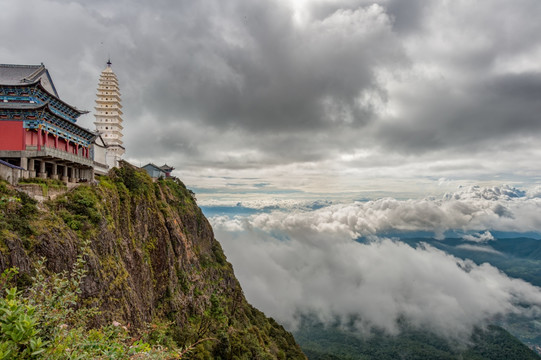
[[479, 238], [486, 249], [300, 262], [504, 192], [472, 209], [378, 283]]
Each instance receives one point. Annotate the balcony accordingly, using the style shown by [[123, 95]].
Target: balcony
[[46, 152]]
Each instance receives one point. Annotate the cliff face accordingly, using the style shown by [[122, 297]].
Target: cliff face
[[153, 260]]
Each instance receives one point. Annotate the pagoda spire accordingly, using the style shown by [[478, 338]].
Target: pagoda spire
[[109, 114]]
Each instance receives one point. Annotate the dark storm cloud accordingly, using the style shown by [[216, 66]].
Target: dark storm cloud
[[472, 85], [483, 113], [259, 71], [292, 90], [250, 72], [407, 15], [267, 83]]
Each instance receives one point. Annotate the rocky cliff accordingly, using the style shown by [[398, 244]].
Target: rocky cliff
[[152, 260]]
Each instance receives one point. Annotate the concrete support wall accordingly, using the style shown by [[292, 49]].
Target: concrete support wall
[[42, 172], [36, 191], [54, 173], [65, 174], [73, 177], [45, 167], [11, 175], [31, 168]]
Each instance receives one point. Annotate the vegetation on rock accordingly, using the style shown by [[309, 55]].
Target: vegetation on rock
[[46, 322], [152, 264]]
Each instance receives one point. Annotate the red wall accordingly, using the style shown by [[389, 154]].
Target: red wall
[[62, 144], [50, 140], [14, 137], [11, 135], [31, 137]]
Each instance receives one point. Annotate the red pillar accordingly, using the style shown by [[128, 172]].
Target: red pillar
[[39, 139], [56, 141]]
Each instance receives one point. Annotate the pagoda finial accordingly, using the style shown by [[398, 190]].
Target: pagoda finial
[[109, 62]]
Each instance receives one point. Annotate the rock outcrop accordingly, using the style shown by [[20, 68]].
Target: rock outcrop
[[153, 260]]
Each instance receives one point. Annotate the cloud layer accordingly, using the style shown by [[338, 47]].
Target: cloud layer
[[307, 262], [470, 209]]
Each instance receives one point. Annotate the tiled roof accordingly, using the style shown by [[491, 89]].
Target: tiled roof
[[12, 74], [152, 165], [16, 74], [167, 168], [21, 106]]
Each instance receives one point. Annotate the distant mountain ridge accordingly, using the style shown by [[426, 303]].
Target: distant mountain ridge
[[333, 343]]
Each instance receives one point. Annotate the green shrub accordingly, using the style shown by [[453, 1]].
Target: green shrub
[[17, 210], [48, 323], [80, 209], [19, 338], [136, 180]]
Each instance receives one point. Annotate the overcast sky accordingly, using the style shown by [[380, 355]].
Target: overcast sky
[[324, 97]]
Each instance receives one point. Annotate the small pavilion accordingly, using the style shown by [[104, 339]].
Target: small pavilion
[[158, 172]]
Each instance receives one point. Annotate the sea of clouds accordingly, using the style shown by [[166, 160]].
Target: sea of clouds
[[303, 261]]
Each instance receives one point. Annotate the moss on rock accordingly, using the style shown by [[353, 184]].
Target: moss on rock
[[153, 259]]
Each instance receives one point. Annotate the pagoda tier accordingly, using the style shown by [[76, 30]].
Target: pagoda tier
[[108, 112]]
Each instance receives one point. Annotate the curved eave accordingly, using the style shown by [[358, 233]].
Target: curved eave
[[80, 112], [46, 107], [115, 145], [42, 88]]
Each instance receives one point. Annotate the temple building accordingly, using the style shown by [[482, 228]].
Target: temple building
[[158, 172], [38, 130], [108, 116]]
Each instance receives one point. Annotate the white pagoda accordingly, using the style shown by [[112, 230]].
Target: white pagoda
[[108, 115]]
